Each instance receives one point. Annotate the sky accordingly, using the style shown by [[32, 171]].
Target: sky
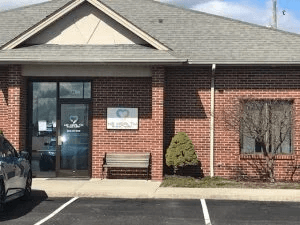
[[253, 11]]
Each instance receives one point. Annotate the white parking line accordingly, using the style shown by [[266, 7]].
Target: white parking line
[[205, 212], [56, 211]]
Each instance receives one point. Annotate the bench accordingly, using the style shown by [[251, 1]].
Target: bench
[[130, 160]]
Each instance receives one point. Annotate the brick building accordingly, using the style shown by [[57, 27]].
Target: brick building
[[82, 78]]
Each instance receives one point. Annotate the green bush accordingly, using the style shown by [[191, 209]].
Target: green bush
[[1, 133], [181, 152]]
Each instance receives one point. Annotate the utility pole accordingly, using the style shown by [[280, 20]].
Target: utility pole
[[274, 25]]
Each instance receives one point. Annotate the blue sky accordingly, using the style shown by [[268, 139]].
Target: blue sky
[[253, 11]]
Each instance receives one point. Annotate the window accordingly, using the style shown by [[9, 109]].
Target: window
[[75, 89], [9, 150], [2, 150], [266, 124], [44, 106]]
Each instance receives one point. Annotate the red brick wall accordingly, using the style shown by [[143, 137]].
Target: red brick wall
[[17, 105], [187, 108], [185, 92], [157, 123], [13, 103], [131, 93], [234, 83]]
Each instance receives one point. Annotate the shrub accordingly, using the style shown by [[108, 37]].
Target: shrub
[[181, 152]]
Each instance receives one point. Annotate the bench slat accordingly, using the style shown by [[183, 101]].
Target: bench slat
[[130, 160], [137, 165], [127, 160], [129, 156]]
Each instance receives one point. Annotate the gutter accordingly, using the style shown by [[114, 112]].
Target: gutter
[[293, 61], [100, 61], [212, 117]]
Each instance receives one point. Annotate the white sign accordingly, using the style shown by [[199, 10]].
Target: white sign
[[42, 125], [122, 118]]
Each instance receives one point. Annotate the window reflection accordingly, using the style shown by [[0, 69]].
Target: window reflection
[[75, 89], [71, 89], [87, 89], [44, 128], [74, 129]]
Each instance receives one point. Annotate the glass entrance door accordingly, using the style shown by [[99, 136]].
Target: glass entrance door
[[73, 140]]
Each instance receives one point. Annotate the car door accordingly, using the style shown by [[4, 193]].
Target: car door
[[18, 179], [9, 168], [22, 168], [6, 168]]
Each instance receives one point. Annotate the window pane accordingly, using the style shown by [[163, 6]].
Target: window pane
[[9, 149], [268, 123], [251, 119], [71, 89], [87, 89], [1, 145], [248, 144], [280, 134], [43, 128]]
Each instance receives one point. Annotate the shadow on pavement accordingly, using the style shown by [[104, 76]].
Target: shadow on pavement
[[18, 208]]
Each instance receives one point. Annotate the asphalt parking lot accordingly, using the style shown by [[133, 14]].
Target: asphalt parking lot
[[39, 210]]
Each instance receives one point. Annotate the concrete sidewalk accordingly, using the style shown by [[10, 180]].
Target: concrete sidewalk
[[108, 188]]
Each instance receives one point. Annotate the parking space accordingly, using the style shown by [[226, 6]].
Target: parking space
[[130, 211], [103, 211], [258, 213], [30, 211], [111, 211]]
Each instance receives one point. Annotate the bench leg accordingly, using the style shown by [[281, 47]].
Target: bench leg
[[147, 174], [103, 172]]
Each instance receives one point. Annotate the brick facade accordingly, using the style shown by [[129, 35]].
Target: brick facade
[[258, 82], [17, 107], [146, 94], [174, 99], [188, 109], [14, 105]]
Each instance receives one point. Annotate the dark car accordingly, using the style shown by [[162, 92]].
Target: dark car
[[48, 156], [15, 173], [69, 153]]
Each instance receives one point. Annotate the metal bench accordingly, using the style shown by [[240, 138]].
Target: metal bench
[[130, 160]]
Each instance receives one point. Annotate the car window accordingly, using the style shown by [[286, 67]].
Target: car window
[[9, 150], [2, 149]]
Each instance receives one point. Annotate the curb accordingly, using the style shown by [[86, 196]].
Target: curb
[[181, 193]]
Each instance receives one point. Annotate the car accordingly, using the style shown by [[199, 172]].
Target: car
[[69, 153], [15, 173], [48, 156]]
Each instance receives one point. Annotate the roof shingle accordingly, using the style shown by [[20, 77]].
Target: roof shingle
[[199, 37], [87, 54]]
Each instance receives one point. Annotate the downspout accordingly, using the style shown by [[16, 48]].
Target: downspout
[[212, 116]]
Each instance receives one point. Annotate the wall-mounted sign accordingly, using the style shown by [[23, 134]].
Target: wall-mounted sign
[[122, 118]]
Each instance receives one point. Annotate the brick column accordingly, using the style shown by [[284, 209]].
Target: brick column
[[158, 83], [17, 115]]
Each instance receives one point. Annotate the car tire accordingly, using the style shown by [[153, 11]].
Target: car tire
[[27, 191], [2, 195]]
